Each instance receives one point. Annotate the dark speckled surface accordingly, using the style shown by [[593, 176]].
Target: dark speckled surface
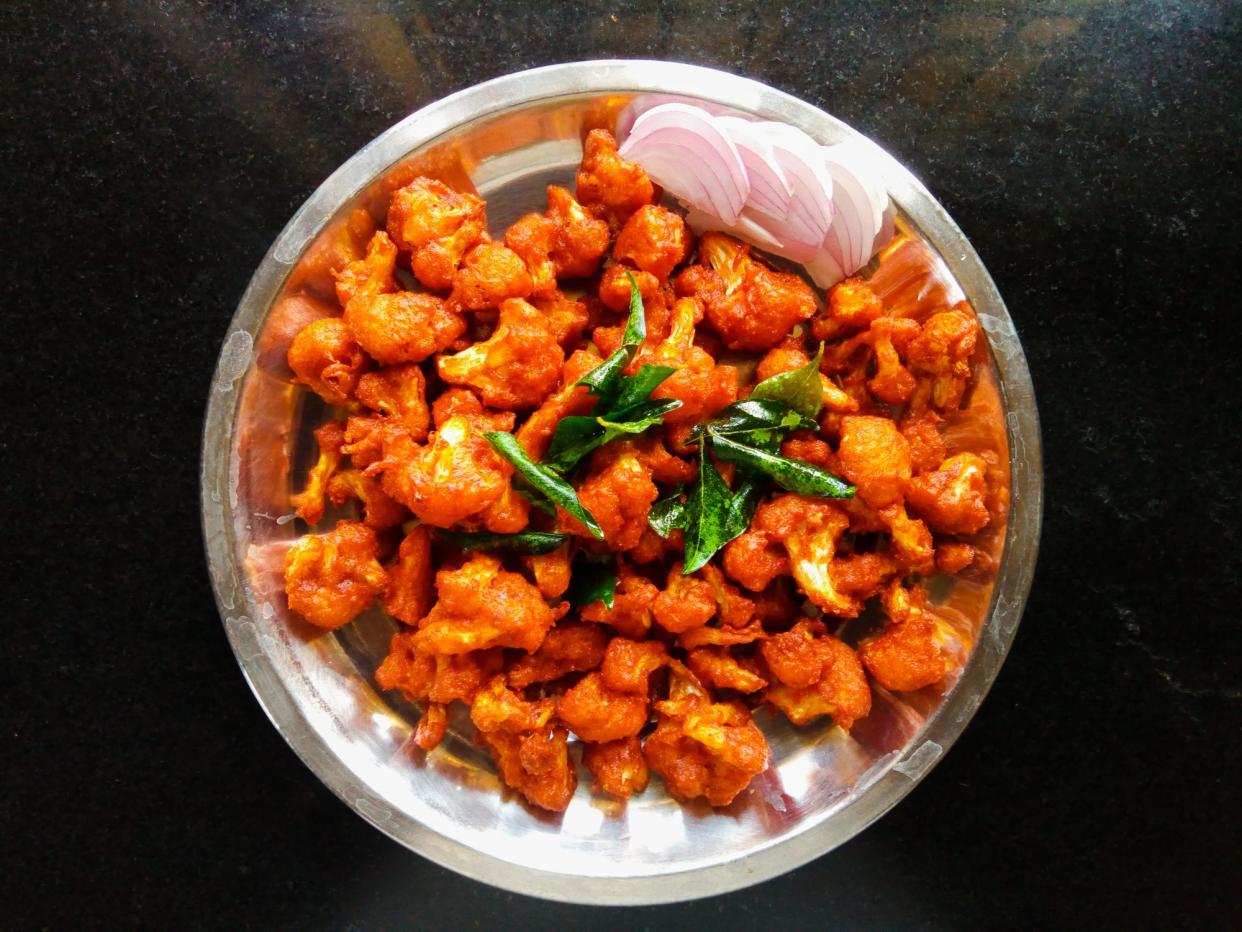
[[152, 151]]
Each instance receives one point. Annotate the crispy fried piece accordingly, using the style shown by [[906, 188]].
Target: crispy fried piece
[[619, 492], [462, 402], [733, 608], [570, 647], [536, 765], [378, 509], [536, 432], [551, 570], [953, 498], [630, 614], [614, 294], [309, 502], [499, 708], [609, 186], [331, 578], [754, 559], [719, 669], [437, 226], [566, 318], [490, 274], [952, 557], [686, 602], [628, 664], [370, 275], [531, 238], [908, 654], [852, 306], [455, 476], [817, 675], [912, 545], [565, 242], [790, 355], [655, 240], [516, 367], [408, 598], [326, 358], [436, 678], [943, 351], [809, 528], [367, 435], [927, 450], [751, 306], [862, 575], [431, 726], [702, 387], [482, 605], [703, 748], [723, 636], [618, 767], [404, 326], [594, 712], [875, 457], [399, 392], [406, 668]]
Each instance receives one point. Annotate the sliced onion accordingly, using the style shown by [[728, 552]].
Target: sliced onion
[[824, 270], [770, 190], [683, 149], [745, 228], [799, 156], [854, 222]]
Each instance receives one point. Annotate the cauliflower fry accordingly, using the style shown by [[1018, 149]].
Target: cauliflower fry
[[569, 648], [516, 367], [399, 392], [619, 492], [325, 357], [655, 240], [702, 387], [490, 274], [481, 605], [608, 185], [378, 509], [953, 499], [536, 765], [408, 598], [818, 675], [331, 578], [437, 226], [875, 457], [852, 306], [309, 502], [908, 654], [943, 351], [618, 767], [405, 326], [370, 275], [630, 614], [594, 712]]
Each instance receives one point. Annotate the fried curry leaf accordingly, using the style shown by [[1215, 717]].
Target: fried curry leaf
[[592, 580], [575, 437], [668, 514], [742, 507], [636, 389], [743, 417], [604, 381], [524, 542], [638, 418], [799, 389], [790, 474], [546, 482], [707, 508]]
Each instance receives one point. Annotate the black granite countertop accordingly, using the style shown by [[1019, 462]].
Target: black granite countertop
[[151, 153]]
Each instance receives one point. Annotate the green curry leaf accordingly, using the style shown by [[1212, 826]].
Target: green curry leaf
[[799, 389], [524, 542], [546, 482], [790, 474]]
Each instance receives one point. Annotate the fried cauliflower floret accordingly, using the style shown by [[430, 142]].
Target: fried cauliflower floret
[[911, 540], [309, 503], [462, 402], [702, 387], [687, 602], [614, 294], [630, 614], [852, 306], [952, 557], [952, 499], [570, 647], [399, 392], [719, 669], [702, 748], [927, 450], [370, 275], [875, 457], [435, 678], [754, 559], [596, 713], [751, 306], [566, 318], [536, 765], [516, 367], [817, 675], [892, 383], [496, 707], [722, 636], [733, 608], [564, 242], [655, 240], [628, 664], [455, 476], [482, 605], [551, 570], [619, 492], [909, 653], [618, 767], [943, 351], [491, 273], [405, 326], [432, 725], [331, 578], [378, 509], [608, 185], [367, 435], [790, 355], [437, 226], [535, 434], [408, 598], [327, 359]]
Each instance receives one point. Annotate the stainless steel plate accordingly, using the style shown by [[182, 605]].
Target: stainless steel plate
[[512, 136]]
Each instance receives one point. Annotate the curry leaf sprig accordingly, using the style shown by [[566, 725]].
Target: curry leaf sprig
[[544, 481], [532, 542], [624, 404], [747, 434]]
